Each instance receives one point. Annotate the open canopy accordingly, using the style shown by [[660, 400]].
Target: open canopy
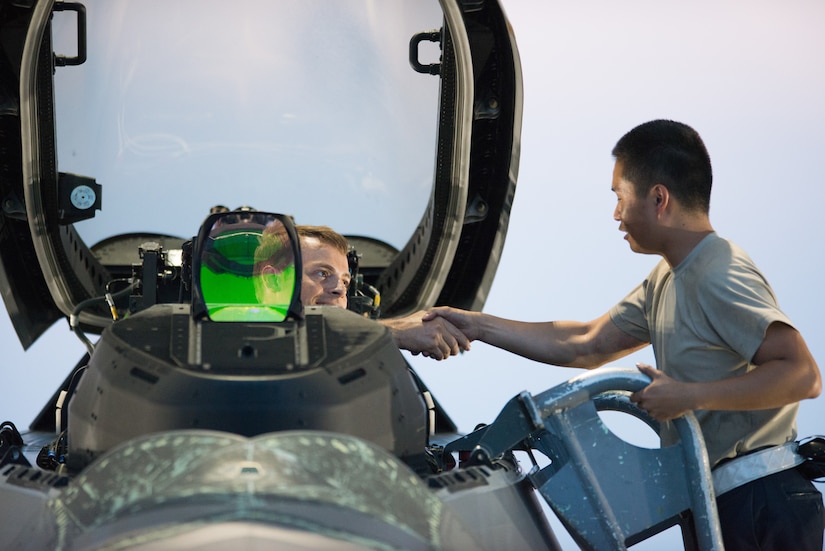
[[394, 123]]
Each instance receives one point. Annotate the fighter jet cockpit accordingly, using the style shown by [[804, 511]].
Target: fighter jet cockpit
[[242, 355]]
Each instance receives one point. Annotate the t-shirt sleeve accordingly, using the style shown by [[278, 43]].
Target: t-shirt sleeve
[[740, 307], [629, 314]]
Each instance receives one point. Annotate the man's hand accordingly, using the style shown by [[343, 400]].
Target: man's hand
[[464, 321], [435, 338], [664, 398], [785, 373]]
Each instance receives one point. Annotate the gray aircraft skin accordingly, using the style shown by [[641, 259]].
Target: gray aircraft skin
[[201, 420]]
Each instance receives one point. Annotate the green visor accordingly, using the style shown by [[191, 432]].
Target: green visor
[[244, 268]]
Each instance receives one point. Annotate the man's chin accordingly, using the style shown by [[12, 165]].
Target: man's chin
[[634, 246], [639, 250]]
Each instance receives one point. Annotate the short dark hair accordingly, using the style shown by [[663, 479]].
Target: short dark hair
[[325, 235], [668, 153]]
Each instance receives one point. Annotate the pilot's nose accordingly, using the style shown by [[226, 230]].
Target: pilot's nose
[[339, 288]]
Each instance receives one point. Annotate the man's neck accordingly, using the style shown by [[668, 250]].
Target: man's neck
[[683, 238]]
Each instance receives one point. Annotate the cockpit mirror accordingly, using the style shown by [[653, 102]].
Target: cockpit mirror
[[246, 267]]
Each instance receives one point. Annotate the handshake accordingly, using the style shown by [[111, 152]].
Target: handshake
[[437, 333]]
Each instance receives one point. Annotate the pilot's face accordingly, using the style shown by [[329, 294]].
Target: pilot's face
[[326, 274]]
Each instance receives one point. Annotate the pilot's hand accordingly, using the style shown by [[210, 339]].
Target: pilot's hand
[[437, 338], [664, 398]]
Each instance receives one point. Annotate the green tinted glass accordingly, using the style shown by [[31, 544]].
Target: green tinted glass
[[247, 269]]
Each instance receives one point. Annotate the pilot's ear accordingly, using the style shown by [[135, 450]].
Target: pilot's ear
[[267, 277]]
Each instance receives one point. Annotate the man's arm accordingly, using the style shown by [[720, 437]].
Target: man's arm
[[565, 343], [437, 339], [786, 372]]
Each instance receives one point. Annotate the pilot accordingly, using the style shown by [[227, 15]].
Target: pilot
[[723, 348], [326, 277]]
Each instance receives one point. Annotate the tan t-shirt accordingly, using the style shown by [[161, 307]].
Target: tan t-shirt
[[706, 318]]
